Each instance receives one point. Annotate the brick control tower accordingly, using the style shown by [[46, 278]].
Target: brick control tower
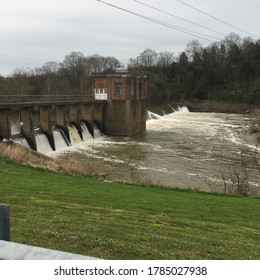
[[125, 110]]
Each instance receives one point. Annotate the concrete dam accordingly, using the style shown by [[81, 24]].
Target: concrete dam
[[117, 108]]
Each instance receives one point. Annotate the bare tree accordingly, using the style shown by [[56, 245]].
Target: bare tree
[[232, 40], [148, 58], [237, 178], [110, 63], [165, 59], [20, 81], [49, 71], [193, 48]]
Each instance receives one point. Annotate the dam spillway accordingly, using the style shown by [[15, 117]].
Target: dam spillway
[[117, 108], [36, 123]]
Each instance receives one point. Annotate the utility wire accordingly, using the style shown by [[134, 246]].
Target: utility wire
[[220, 20], [181, 18], [180, 29]]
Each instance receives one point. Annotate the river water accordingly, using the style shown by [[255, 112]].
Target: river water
[[181, 149]]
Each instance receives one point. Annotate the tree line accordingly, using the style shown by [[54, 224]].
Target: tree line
[[228, 70], [71, 77]]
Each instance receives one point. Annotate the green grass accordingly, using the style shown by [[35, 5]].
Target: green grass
[[122, 221]]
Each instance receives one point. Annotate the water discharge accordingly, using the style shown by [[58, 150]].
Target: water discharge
[[22, 141], [181, 149], [74, 135], [42, 142], [60, 142], [85, 132], [97, 131]]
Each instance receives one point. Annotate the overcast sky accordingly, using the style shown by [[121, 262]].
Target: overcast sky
[[33, 32]]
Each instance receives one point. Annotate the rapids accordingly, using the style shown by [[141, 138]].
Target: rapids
[[181, 149]]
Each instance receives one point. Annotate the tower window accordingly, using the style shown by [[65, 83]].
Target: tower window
[[118, 89]]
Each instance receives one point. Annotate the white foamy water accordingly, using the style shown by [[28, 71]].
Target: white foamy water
[[85, 132], [60, 142], [22, 141], [42, 142], [74, 135], [181, 149]]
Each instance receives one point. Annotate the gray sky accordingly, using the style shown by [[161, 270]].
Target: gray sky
[[33, 32]]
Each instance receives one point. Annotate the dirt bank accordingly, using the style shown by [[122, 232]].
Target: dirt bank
[[24, 155], [20, 153]]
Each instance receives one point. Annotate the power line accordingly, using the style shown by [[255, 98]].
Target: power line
[[165, 24], [181, 18], [220, 20]]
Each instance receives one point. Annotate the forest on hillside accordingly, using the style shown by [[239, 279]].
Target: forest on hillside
[[228, 70]]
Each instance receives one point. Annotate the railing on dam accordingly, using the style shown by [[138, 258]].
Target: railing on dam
[[7, 99]]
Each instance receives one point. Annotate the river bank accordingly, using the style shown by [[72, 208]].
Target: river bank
[[26, 156], [109, 220], [205, 106]]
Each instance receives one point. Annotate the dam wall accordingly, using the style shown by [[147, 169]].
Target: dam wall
[[28, 120], [118, 108]]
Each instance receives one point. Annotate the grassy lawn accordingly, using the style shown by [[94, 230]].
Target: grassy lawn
[[122, 221]]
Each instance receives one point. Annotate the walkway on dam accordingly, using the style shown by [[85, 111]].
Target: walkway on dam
[[29, 100]]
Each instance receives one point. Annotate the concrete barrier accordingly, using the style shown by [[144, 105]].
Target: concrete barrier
[[16, 251]]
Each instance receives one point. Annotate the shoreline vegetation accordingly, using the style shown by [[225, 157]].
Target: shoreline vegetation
[[26, 156]]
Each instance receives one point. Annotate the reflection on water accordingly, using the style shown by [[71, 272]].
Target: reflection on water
[[181, 149]]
